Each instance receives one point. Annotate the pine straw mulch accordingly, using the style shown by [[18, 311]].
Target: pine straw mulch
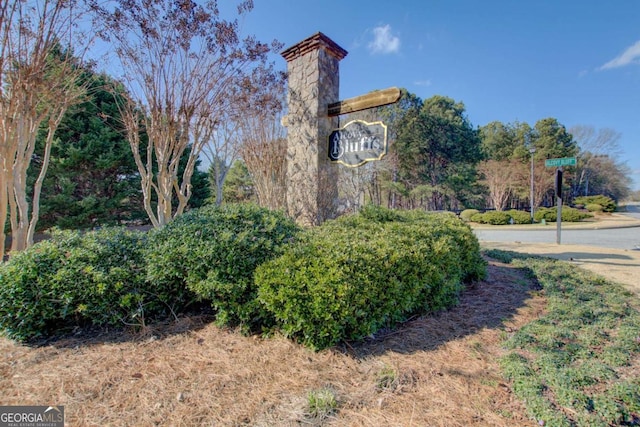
[[438, 370]]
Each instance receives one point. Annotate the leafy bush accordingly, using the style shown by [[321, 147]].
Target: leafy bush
[[594, 207], [355, 275], [568, 214], [78, 279], [214, 252], [520, 217], [467, 214], [492, 217], [607, 203]]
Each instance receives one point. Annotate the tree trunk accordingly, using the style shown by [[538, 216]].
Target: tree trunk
[[37, 186], [4, 200]]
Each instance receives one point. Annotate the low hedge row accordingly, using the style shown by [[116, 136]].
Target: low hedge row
[[214, 252], [350, 277], [77, 279], [341, 281], [117, 277], [521, 217], [607, 203], [502, 217], [568, 214]]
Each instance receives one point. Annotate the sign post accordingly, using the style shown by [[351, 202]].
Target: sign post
[[559, 204], [559, 163]]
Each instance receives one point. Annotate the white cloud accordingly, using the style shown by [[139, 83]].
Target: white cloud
[[422, 83], [629, 56], [383, 41]]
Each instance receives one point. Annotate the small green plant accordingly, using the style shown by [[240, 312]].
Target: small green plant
[[322, 403], [386, 379]]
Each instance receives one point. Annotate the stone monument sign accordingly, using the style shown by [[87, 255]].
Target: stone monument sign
[[313, 110]]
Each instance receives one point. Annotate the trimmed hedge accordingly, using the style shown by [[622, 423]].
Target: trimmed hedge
[[607, 203], [467, 214], [214, 252], [350, 277], [77, 279], [520, 217], [492, 217], [594, 207], [568, 214]]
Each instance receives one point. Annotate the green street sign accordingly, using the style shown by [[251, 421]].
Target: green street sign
[[563, 161]]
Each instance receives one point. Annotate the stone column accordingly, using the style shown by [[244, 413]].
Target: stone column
[[312, 188]]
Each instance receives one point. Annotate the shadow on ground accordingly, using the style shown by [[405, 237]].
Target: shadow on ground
[[486, 304]]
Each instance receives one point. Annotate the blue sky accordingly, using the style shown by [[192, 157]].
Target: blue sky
[[576, 61]]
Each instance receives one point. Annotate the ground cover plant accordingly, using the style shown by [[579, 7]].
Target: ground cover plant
[[577, 364]]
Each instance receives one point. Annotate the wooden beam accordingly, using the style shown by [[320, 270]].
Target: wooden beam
[[364, 102]]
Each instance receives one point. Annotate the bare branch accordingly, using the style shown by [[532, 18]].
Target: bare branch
[[184, 66]]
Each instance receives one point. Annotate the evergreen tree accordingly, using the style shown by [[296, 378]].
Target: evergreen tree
[[437, 151], [92, 179]]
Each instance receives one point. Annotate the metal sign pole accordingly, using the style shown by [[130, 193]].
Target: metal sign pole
[[559, 204]]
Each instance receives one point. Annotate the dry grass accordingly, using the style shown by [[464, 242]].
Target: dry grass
[[439, 370]]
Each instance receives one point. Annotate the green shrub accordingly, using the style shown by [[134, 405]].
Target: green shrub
[[594, 207], [376, 214], [548, 214], [350, 277], [467, 214], [520, 217], [492, 217], [607, 203], [568, 214], [214, 252], [78, 279]]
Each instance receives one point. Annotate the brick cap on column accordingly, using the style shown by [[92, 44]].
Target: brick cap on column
[[312, 43]]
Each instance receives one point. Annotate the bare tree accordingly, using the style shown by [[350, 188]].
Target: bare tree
[[264, 151], [543, 182], [499, 176], [594, 144], [183, 65], [39, 81], [221, 151]]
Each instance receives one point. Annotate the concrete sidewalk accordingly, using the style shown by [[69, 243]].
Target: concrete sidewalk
[[621, 266]]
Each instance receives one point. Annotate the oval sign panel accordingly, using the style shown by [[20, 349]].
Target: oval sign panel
[[358, 142]]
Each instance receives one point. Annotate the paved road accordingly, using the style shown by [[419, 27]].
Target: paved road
[[633, 210], [617, 238]]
